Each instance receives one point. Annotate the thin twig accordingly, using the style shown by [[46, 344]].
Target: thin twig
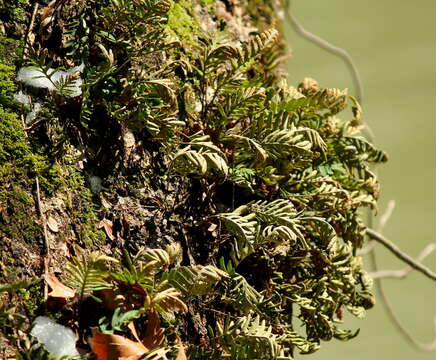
[[29, 29], [400, 254], [393, 317], [380, 289], [401, 274], [343, 54], [46, 248]]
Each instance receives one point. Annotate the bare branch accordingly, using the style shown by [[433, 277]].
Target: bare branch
[[343, 54], [400, 254], [401, 274], [393, 317]]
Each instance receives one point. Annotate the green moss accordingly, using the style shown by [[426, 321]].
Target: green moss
[[7, 86], [22, 196], [33, 298], [19, 165], [182, 22], [207, 3], [14, 146], [17, 158], [15, 11]]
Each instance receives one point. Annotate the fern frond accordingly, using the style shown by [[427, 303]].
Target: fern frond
[[239, 104], [199, 141], [245, 228], [241, 293], [168, 300], [305, 346], [345, 335], [86, 275], [164, 89], [257, 45], [278, 211], [153, 258], [283, 143], [278, 234], [320, 228], [199, 156], [249, 144], [195, 280], [217, 162], [281, 218], [314, 137], [361, 149], [248, 338], [242, 176], [188, 160]]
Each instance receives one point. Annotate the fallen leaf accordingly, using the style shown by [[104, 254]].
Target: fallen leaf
[[107, 225], [116, 347], [105, 203], [58, 290], [154, 335], [111, 299], [52, 224]]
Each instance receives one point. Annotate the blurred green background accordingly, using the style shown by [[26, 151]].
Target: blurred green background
[[393, 43]]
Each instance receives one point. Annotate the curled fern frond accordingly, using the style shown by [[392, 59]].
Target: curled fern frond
[[314, 137], [239, 293], [153, 258], [305, 346], [243, 226], [200, 156], [249, 144], [188, 160]]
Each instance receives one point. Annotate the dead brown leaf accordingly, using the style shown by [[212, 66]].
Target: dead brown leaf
[[116, 347], [107, 226], [58, 290], [52, 224], [111, 299], [154, 336]]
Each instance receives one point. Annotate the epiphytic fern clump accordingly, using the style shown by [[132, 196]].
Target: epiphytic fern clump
[[254, 187]]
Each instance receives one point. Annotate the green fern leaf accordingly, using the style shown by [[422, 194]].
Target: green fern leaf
[[249, 338], [250, 144], [86, 275], [282, 143], [195, 280], [361, 149]]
